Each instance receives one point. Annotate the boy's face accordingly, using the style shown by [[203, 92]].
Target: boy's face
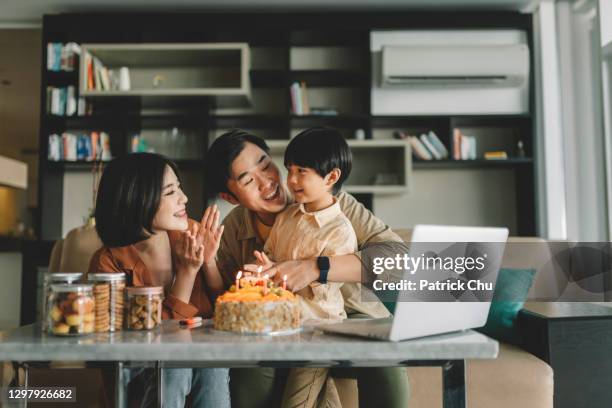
[[306, 184]]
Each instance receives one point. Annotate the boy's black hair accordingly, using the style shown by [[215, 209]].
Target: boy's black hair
[[128, 197], [322, 149], [221, 155]]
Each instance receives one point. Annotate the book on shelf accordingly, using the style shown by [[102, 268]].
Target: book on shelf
[[99, 77], [62, 57], [419, 151], [324, 111], [464, 146], [496, 155], [64, 102], [437, 143], [299, 99], [430, 147], [79, 147]]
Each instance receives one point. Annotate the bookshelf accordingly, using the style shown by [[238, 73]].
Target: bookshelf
[[255, 61]]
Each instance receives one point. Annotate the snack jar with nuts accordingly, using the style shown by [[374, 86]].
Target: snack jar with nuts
[[51, 279], [144, 307], [70, 310], [108, 292]]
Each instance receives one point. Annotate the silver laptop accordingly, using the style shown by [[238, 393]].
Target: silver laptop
[[414, 318]]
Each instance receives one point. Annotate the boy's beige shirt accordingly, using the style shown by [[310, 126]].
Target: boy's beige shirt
[[298, 234], [240, 239]]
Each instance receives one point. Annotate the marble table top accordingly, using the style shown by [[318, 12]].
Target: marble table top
[[172, 343]]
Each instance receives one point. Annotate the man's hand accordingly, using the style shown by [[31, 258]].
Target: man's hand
[[299, 273], [209, 233]]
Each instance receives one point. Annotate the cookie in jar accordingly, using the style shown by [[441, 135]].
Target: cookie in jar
[[70, 310], [144, 307]]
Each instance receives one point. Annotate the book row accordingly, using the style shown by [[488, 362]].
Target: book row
[[62, 57], [64, 102], [94, 146]]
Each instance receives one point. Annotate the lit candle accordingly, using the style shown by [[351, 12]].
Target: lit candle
[[259, 269], [285, 282], [238, 276]]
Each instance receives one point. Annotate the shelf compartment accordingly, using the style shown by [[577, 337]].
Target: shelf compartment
[[189, 69], [478, 163]]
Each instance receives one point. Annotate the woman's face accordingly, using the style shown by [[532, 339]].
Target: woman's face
[[171, 214]]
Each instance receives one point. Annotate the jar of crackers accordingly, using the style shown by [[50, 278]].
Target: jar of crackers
[[109, 294], [70, 310], [51, 279], [144, 307]]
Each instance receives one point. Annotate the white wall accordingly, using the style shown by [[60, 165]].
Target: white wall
[[605, 21]]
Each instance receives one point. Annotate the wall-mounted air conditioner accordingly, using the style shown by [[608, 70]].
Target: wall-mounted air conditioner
[[455, 65]]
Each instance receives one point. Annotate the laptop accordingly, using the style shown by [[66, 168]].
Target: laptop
[[414, 318]]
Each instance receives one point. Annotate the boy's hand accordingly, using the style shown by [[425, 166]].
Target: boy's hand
[[262, 261], [209, 233]]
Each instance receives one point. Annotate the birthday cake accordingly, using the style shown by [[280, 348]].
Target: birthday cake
[[254, 305]]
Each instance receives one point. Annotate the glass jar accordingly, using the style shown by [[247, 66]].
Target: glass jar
[[71, 310], [144, 307], [51, 279], [109, 294]]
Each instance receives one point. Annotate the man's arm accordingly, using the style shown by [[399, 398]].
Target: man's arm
[[344, 268]]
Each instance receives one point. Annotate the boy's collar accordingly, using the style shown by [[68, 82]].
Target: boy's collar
[[323, 216]]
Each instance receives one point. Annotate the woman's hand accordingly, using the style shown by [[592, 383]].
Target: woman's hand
[[188, 253], [209, 233]]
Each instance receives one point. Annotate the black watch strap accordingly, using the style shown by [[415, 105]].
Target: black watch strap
[[323, 264]]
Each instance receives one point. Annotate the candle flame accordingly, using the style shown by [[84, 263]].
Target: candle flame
[[285, 277], [239, 275], [259, 269]]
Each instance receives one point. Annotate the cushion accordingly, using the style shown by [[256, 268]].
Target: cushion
[[508, 299]]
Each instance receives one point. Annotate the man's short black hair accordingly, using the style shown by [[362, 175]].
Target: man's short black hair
[[322, 149], [128, 198], [221, 155]]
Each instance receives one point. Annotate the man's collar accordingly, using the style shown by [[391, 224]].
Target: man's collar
[[247, 227]]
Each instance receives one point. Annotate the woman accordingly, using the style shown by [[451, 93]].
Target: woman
[[142, 221]]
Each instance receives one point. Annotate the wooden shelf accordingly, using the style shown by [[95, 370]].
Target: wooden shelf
[[340, 121], [75, 166], [479, 163], [375, 189], [272, 78], [256, 121]]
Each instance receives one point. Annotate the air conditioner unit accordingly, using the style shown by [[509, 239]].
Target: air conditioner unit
[[455, 65]]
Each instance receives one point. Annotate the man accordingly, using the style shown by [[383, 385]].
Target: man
[[240, 170]]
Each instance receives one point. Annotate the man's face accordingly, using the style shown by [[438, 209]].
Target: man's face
[[255, 181]]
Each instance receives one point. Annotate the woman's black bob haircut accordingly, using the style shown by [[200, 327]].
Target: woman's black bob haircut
[[322, 149], [128, 197]]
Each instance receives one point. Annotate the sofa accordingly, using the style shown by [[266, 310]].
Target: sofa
[[515, 379]]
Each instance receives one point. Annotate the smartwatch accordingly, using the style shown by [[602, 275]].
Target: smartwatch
[[323, 264]]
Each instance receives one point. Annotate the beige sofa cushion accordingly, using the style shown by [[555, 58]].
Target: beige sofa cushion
[[515, 379]]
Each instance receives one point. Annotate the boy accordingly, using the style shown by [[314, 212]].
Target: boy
[[318, 161]]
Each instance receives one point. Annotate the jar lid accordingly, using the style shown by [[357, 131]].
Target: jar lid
[[71, 287], [106, 277], [145, 290], [63, 277]]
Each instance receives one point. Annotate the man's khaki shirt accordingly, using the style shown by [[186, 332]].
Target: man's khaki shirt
[[240, 239]]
